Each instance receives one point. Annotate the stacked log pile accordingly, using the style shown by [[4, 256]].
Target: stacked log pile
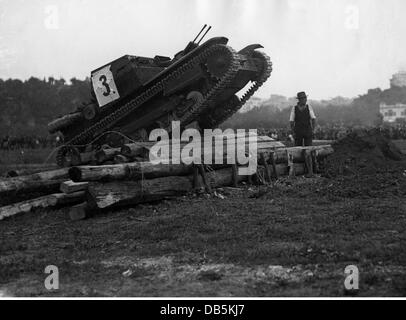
[[90, 189], [140, 151]]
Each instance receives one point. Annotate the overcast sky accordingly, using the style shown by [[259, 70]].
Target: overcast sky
[[325, 47]]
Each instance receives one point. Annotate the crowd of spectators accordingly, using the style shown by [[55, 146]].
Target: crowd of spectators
[[337, 131], [28, 142], [327, 132], [394, 132]]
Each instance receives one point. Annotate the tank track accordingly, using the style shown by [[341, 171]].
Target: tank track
[[209, 98], [233, 107]]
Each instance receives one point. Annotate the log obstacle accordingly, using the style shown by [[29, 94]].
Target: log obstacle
[[107, 154], [52, 200], [103, 195], [37, 181], [136, 170], [93, 188], [71, 187], [133, 171]]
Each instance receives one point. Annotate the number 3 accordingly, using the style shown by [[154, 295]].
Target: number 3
[[104, 86], [103, 80]]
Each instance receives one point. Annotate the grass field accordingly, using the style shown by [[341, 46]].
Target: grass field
[[293, 238], [26, 156], [401, 144], [26, 159]]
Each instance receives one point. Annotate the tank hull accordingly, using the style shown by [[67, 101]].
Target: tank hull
[[134, 95]]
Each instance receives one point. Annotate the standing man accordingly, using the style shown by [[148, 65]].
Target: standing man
[[302, 121]]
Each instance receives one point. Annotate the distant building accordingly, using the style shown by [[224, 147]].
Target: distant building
[[398, 79], [251, 104], [392, 112]]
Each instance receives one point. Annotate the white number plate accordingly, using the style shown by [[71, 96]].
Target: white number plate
[[104, 86]]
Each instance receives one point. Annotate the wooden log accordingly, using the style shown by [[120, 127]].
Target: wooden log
[[304, 158], [175, 147], [13, 174], [107, 154], [322, 142], [109, 194], [53, 200], [267, 169], [42, 176], [247, 135], [133, 170], [138, 148], [315, 161], [280, 154], [114, 194], [195, 177], [63, 122], [21, 170], [36, 181], [118, 159], [80, 212], [65, 199], [137, 170], [38, 167], [132, 192], [308, 162], [273, 163], [74, 159], [259, 177], [175, 153], [297, 169], [70, 186], [133, 149], [87, 157], [206, 182], [290, 163], [234, 172]]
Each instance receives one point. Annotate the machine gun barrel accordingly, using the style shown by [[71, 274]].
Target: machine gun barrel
[[204, 35], [204, 27]]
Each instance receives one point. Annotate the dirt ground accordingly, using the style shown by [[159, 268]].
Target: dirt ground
[[292, 238]]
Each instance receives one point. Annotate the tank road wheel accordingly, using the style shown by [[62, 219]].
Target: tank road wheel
[[68, 157], [195, 97], [90, 111], [218, 64], [220, 113], [115, 140]]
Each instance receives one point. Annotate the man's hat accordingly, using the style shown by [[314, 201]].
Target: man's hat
[[301, 95]]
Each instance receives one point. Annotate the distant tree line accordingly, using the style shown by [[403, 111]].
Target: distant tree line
[[26, 107]]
